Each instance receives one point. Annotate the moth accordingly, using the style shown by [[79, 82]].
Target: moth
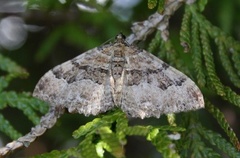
[[119, 75], [113, 75]]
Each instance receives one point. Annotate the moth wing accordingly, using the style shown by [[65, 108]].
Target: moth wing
[[81, 84], [152, 87]]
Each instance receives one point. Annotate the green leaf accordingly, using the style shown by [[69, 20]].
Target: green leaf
[[209, 63], [202, 4], [138, 130], [222, 122], [225, 60], [8, 129], [12, 69], [111, 140], [197, 54], [217, 140], [71, 152], [25, 103], [191, 143], [161, 5], [163, 144], [186, 30], [87, 148], [3, 83], [155, 44], [88, 128], [152, 4]]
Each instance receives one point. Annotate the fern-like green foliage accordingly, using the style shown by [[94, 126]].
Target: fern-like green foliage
[[198, 33], [108, 133], [22, 101]]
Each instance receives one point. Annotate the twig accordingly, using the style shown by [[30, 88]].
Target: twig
[[156, 21]]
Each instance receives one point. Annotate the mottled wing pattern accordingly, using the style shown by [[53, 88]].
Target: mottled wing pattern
[[152, 87], [122, 75], [82, 84]]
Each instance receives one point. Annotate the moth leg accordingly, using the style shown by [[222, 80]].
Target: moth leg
[[46, 122]]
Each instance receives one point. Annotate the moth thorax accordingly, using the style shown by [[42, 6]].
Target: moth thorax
[[117, 64]]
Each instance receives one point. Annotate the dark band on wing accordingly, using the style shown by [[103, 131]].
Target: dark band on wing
[[79, 72], [135, 77]]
